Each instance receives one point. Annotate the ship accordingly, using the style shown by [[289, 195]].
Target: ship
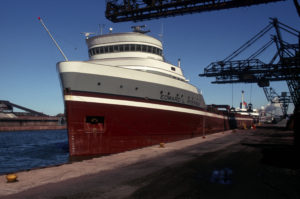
[[247, 109], [127, 96]]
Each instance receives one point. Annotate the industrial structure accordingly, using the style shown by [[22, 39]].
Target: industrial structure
[[284, 99], [250, 70], [284, 65], [7, 107], [27, 119], [138, 10]]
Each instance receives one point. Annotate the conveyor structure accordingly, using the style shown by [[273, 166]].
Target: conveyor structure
[[138, 10], [6, 106], [253, 70]]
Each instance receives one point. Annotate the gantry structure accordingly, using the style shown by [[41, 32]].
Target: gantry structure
[[284, 65], [138, 10]]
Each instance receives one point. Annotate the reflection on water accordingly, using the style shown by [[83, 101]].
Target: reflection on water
[[25, 150]]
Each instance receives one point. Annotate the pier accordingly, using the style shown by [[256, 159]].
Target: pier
[[253, 163]]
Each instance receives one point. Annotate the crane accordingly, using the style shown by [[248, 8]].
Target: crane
[[138, 10], [284, 99], [253, 70]]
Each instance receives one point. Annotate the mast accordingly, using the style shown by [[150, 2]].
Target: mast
[[60, 50], [243, 104]]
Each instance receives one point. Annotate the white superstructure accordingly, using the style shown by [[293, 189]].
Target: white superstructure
[[131, 50], [129, 64]]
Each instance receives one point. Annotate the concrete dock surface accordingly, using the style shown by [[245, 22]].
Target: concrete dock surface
[[260, 163]]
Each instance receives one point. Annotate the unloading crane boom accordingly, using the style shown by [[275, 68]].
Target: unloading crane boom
[[138, 10], [253, 70]]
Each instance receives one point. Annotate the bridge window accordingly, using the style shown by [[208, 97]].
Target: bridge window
[[106, 49], [155, 50], [116, 48], [159, 52], [132, 47], [125, 48]]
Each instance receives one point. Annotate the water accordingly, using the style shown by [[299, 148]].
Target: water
[[25, 150]]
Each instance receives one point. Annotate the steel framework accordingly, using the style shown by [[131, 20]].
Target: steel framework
[[253, 70], [6, 106], [284, 99], [138, 10]]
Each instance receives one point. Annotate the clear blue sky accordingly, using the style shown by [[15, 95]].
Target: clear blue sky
[[28, 56]]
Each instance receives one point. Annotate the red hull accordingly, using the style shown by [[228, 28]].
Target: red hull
[[120, 128]]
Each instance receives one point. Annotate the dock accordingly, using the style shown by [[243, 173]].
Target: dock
[[28, 119], [253, 163]]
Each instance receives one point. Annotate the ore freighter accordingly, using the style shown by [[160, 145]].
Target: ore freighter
[[127, 96]]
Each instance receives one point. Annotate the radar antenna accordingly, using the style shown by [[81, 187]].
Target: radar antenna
[[139, 29], [87, 34]]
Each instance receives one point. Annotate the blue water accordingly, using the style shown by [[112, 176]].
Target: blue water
[[24, 150]]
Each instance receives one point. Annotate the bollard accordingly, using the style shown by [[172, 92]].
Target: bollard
[[11, 178]]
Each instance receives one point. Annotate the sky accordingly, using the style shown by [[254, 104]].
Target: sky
[[28, 75]]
